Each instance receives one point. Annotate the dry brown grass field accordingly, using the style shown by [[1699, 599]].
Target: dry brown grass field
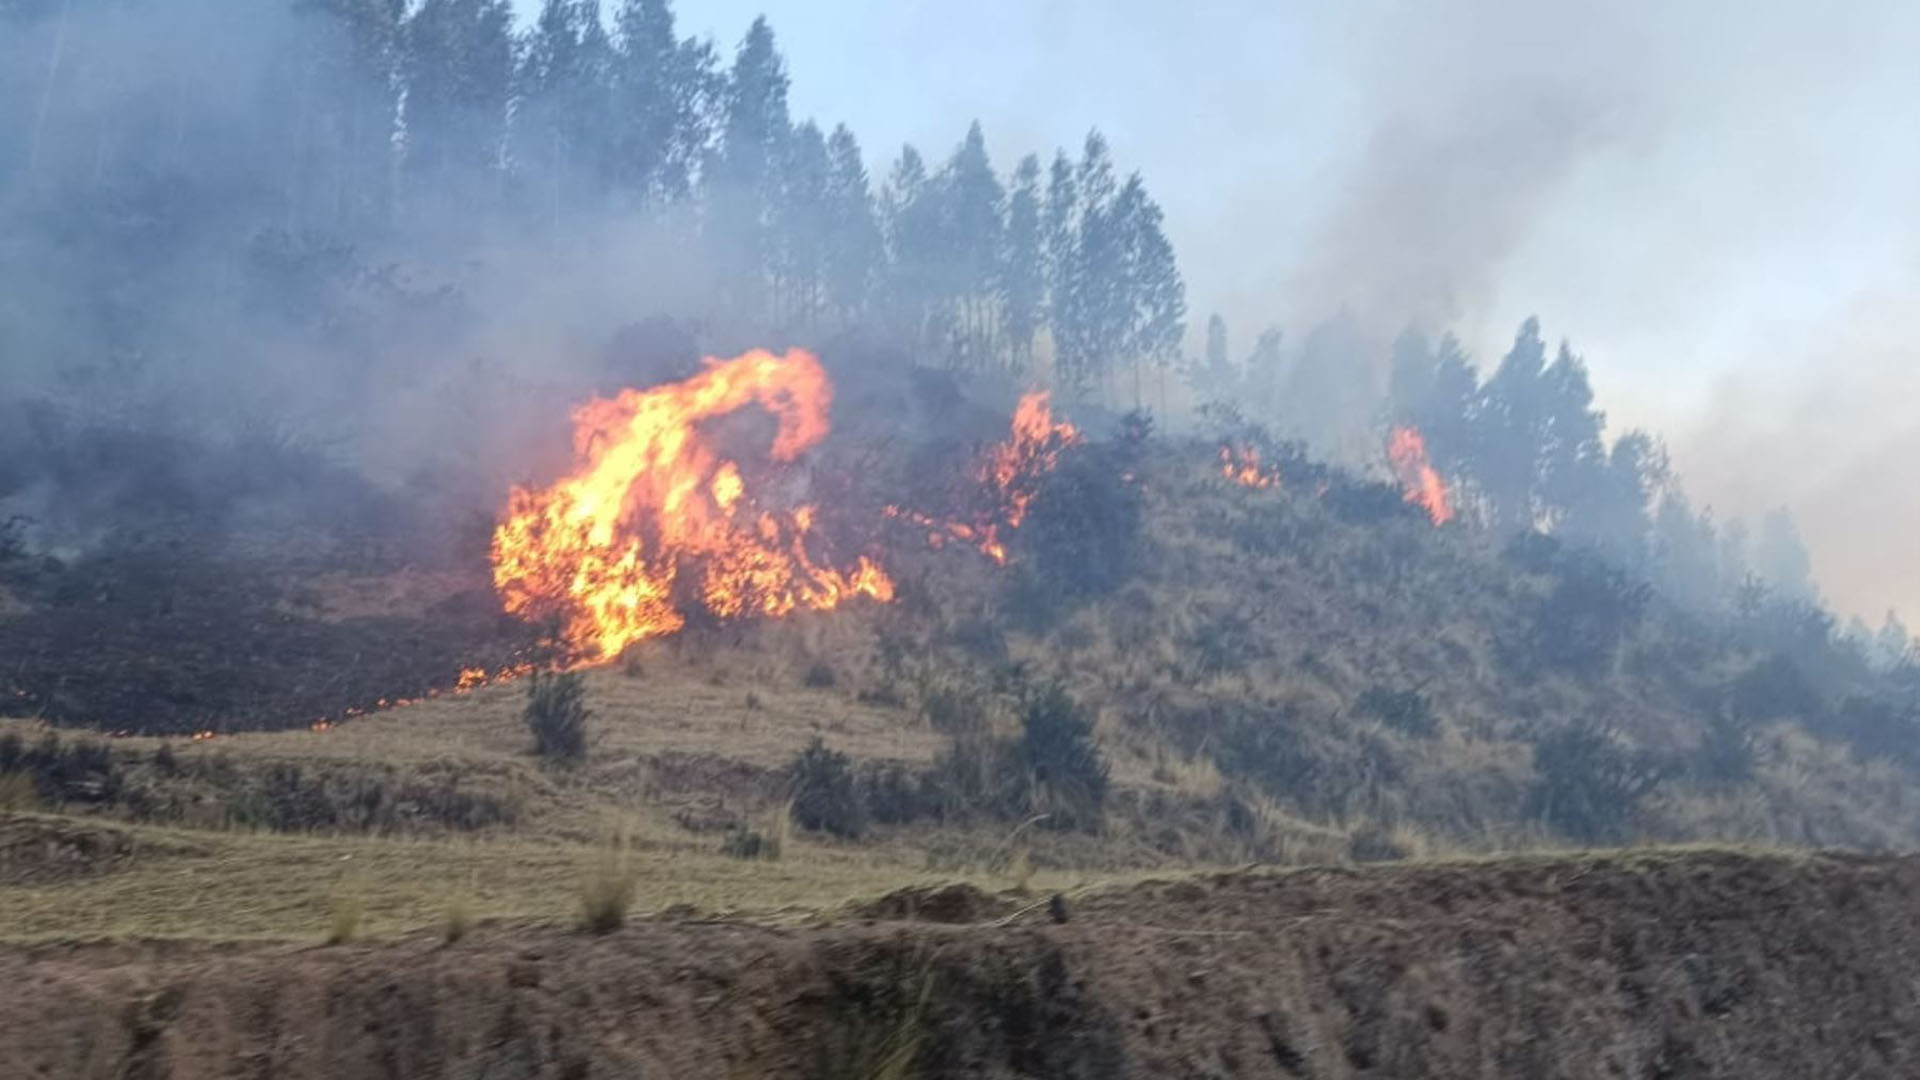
[[673, 754]]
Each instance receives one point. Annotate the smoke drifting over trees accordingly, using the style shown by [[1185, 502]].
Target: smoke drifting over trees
[[408, 236], [327, 219]]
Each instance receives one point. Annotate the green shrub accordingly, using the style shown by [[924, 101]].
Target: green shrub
[[825, 797], [1589, 782], [1579, 624], [1366, 502], [289, 797], [1082, 538], [1405, 711], [1372, 843], [1774, 688], [60, 772], [1223, 643], [952, 710], [1726, 753], [1058, 745], [978, 774], [745, 843], [1878, 728], [980, 638], [557, 715], [893, 794]]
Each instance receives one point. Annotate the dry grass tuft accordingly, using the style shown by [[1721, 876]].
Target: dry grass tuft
[[607, 890], [458, 920], [345, 914], [18, 792], [1020, 871], [1196, 775]]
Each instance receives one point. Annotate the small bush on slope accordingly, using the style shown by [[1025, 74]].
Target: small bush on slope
[[557, 715], [825, 795]]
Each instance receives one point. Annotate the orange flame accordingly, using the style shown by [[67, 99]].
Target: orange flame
[[1009, 472], [1030, 452], [1242, 466], [606, 547], [1408, 452]]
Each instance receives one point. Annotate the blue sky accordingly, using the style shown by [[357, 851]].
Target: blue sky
[[1718, 201]]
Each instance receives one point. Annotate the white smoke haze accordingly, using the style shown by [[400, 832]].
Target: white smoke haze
[[1718, 203], [1706, 198], [1828, 427]]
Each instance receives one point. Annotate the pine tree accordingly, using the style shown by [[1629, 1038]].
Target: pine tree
[[1216, 375], [1688, 556], [800, 220], [745, 184], [1265, 368], [1611, 512], [1023, 280], [1572, 462], [1149, 296], [1511, 435], [1060, 231], [1781, 558], [458, 67], [911, 209], [562, 103], [1086, 326], [1329, 400], [975, 228], [1450, 420], [1410, 377], [1733, 561], [665, 93], [354, 53], [855, 249]]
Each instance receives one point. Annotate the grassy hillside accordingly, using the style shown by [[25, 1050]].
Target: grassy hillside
[[1320, 645], [1174, 670]]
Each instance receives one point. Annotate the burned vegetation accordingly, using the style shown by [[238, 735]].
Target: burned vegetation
[[177, 586]]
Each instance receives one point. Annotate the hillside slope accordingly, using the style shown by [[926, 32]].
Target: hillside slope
[[1295, 671], [1659, 965]]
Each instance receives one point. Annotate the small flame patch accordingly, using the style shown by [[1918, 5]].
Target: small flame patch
[[1420, 483], [1241, 464]]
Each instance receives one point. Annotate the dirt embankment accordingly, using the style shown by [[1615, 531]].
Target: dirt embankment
[[1636, 966]]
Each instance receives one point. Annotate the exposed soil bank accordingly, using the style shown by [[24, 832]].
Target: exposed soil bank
[[1701, 964]]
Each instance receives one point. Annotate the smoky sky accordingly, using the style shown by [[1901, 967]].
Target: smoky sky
[[1717, 202]]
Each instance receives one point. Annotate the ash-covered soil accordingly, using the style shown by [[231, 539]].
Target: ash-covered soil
[[144, 644], [1696, 964]]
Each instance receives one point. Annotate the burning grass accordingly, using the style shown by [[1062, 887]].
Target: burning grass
[[654, 498]]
